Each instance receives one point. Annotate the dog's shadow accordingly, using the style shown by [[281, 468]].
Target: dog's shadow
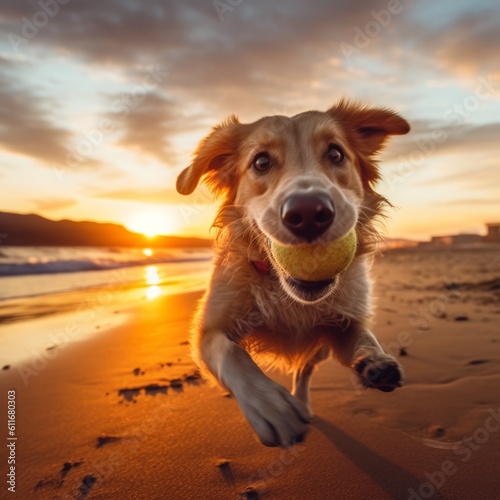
[[392, 478]]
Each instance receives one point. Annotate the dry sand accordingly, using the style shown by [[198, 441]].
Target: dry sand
[[123, 415]]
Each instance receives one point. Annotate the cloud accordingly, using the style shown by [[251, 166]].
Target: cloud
[[25, 126], [427, 140], [279, 48], [468, 139], [148, 126], [48, 204], [476, 175], [471, 44], [264, 56], [146, 195], [467, 201]]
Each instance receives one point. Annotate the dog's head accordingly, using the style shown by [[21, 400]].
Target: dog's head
[[295, 180]]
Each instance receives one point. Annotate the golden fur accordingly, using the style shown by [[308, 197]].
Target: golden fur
[[244, 310]]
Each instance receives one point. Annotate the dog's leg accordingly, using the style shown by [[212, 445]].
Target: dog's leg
[[302, 377], [373, 366], [360, 350], [277, 417]]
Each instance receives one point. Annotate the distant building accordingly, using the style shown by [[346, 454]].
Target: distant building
[[493, 234], [463, 239], [456, 239], [441, 240]]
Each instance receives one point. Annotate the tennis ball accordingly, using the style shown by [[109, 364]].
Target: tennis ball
[[316, 261]]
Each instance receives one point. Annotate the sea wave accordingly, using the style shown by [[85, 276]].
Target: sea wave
[[43, 261]]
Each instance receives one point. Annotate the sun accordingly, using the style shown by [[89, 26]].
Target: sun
[[153, 223]]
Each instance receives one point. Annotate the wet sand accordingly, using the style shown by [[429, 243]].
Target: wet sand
[[123, 414]]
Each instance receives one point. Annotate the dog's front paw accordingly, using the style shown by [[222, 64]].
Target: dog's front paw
[[278, 418], [379, 371]]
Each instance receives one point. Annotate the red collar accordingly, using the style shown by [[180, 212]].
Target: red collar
[[262, 266]]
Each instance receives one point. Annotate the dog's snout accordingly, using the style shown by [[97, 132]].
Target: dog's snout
[[309, 215]]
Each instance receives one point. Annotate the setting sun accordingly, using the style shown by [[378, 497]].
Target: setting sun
[[153, 223]]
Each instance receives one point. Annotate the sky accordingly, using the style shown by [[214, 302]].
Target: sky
[[103, 102]]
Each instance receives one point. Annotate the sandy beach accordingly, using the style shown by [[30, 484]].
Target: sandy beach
[[122, 413]]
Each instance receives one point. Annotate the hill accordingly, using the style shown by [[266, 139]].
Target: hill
[[34, 230]]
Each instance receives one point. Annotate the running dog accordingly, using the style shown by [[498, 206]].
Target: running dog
[[294, 180]]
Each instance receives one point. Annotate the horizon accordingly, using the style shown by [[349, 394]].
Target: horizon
[[101, 125], [194, 236]]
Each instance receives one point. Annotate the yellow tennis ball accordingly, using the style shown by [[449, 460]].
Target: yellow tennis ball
[[316, 261]]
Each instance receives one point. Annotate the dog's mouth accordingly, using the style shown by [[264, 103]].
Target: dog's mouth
[[310, 291], [309, 286]]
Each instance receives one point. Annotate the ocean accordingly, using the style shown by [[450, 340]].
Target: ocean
[[54, 296], [34, 271]]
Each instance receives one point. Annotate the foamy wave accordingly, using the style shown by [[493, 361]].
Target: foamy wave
[[58, 264]]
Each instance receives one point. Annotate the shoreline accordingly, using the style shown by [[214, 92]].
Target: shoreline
[[45, 321]]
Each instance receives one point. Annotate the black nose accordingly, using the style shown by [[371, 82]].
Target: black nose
[[309, 215]]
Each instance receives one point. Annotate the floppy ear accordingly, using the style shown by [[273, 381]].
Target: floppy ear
[[369, 127], [212, 158]]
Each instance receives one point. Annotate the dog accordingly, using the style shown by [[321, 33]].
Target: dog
[[295, 180]]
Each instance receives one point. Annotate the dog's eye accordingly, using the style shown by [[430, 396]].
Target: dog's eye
[[261, 163], [335, 154]]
